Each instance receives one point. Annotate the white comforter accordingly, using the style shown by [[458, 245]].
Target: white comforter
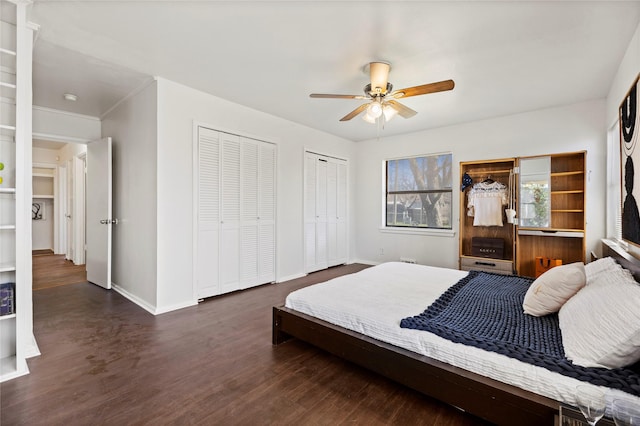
[[374, 300]]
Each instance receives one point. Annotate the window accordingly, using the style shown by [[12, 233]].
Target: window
[[418, 192]]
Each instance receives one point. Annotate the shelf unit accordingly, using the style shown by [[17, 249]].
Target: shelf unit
[[564, 238], [16, 45], [499, 171], [43, 183]]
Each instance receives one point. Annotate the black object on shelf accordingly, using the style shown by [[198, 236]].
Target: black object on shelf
[[7, 299]]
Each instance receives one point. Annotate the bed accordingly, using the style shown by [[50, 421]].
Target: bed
[[498, 389]]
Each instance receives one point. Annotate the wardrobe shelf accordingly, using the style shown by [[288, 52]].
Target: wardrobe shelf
[[7, 190], [7, 51], [7, 317], [571, 173], [573, 191], [7, 227], [42, 175], [7, 267], [492, 172], [568, 211], [42, 197]]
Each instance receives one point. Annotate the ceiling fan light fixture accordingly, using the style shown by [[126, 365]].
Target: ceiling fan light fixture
[[374, 109], [389, 112], [369, 119]]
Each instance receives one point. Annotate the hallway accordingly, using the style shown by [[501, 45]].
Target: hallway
[[53, 270]]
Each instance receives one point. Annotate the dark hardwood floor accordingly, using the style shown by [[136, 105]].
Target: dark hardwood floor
[[52, 270], [107, 361]]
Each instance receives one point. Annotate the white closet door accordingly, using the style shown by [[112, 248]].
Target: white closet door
[[325, 212], [321, 214], [267, 213], [342, 242], [230, 220], [310, 184], [249, 214], [332, 213], [207, 262]]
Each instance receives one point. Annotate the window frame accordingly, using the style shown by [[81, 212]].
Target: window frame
[[413, 229]]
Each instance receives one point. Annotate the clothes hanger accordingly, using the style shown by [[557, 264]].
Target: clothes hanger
[[488, 179]]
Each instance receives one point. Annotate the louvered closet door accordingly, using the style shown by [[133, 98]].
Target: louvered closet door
[[342, 243], [249, 214], [321, 214], [336, 212], [267, 213], [325, 212], [207, 261], [310, 183], [230, 220], [332, 213]]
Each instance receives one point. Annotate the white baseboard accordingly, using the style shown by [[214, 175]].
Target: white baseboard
[[165, 309], [291, 277], [135, 299], [366, 262], [148, 307]]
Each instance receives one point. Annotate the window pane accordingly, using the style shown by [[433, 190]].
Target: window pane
[[419, 192], [419, 173], [419, 210]]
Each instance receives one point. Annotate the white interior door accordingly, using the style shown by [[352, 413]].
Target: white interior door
[[68, 209], [99, 219]]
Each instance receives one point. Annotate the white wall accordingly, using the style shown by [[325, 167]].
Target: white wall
[[69, 151], [56, 125], [133, 127], [554, 130], [178, 107], [626, 75], [42, 230], [42, 155]]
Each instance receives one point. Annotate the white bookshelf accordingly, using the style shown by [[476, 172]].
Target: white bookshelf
[[16, 46]]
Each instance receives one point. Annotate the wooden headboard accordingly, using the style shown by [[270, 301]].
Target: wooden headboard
[[610, 248]]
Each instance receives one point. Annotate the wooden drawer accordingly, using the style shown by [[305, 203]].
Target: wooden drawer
[[497, 266]]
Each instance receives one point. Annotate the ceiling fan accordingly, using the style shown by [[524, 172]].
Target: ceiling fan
[[381, 96]]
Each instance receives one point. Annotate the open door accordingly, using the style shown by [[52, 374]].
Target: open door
[[99, 220]]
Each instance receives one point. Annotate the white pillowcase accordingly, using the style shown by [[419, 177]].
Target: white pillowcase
[[552, 289], [599, 267], [601, 324]]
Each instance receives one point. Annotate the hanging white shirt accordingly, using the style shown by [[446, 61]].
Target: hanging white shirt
[[485, 203]]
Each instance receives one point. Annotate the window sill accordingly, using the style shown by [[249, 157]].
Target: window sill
[[416, 231]]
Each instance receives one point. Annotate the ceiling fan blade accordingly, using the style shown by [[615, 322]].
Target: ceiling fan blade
[[403, 111], [379, 72], [355, 112], [330, 96], [439, 86]]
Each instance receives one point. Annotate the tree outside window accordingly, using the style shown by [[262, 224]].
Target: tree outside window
[[418, 192]]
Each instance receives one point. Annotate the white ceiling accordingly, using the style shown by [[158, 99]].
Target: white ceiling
[[504, 56]]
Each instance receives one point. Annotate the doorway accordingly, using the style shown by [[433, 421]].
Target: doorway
[[58, 214]]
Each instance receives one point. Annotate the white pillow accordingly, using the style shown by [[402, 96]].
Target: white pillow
[[601, 324], [598, 267], [552, 289]]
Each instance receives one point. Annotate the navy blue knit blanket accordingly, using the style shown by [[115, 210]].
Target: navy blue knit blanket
[[485, 310]]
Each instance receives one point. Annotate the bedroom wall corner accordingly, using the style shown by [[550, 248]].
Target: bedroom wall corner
[[132, 125], [179, 107], [625, 76]]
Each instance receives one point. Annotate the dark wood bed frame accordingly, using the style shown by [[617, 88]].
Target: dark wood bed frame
[[481, 396]]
